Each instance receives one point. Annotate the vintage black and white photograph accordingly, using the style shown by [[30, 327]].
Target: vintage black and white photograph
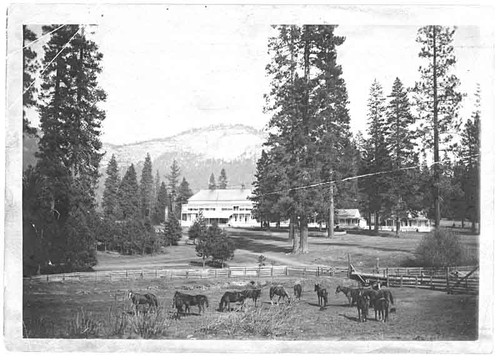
[[265, 174]]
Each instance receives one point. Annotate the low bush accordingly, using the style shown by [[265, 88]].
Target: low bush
[[440, 248], [270, 322]]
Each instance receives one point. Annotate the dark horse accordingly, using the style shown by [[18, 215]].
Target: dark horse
[[253, 294], [381, 307], [229, 297], [142, 299], [363, 303], [349, 293], [297, 291], [184, 301], [278, 290], [378, 294], [322, 295]]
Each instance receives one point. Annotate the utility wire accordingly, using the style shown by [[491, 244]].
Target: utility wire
[[34, 41], [355, 177], [45, 68]]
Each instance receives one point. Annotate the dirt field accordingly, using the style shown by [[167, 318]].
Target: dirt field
[[64, 309]]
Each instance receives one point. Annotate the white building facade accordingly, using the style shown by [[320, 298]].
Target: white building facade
[[226, 207]]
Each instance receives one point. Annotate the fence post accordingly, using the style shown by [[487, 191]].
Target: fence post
[[286, 270], [126, 274], [228, 273], [317, 271], [215, 273], [432, 285], [245, 271], [416, 280], [447, 281], [400, 280]]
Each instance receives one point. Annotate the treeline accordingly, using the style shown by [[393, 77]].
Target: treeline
[[132, 209], [417, 156]]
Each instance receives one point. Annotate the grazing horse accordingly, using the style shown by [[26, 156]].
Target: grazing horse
[[280, 291], [322, 295], [253, 294], [381, 307], [229, 297], [362, 302], [297, 291], [349, 292], [181, 301], [142, 299]]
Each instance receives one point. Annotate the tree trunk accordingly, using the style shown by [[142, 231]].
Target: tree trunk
[[436, 133], [376, 221], [304, 232], [293, 235], [332, 212], [398, 225]]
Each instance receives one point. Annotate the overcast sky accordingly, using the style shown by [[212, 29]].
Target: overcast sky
[[165, 74]]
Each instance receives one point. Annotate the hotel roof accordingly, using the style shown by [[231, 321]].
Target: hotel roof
[[221, 195]]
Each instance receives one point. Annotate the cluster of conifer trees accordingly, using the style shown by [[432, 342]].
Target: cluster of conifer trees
[[312, 163]]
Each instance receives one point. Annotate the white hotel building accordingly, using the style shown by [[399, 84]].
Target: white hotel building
[[227, 207]]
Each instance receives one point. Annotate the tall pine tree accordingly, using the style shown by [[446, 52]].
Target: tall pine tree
[[172, 184], [310, 123], [69, 149], [147, 189], [128, 196], [400, 141], [111, 186], [437, 98], [212, 185], [375, 154]]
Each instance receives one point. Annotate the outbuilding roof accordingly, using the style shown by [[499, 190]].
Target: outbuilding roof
[[221, 195], [348, 213]]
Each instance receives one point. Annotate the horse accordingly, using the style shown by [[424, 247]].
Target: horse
[[253, 294], [142, 299], [280, 291], [181, 300], [322, 295], [229, 297], [362, 303], [297, 291], [382, 293], [348, 293], [381, 307]]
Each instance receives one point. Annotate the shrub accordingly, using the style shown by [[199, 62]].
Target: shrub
[[439, 248], [84, 325], [274, 321]]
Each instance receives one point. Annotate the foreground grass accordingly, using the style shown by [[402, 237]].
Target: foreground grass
[[102, 310]]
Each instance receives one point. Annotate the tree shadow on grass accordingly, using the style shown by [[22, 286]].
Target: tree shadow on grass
[[358, 246]]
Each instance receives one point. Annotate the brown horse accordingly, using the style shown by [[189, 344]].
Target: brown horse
[[348, 292], [181, 301], [322, 295], [362, 303], [142, 299], [229, 297], [381, 307], [297, 291], [253, 294], [280, 291]]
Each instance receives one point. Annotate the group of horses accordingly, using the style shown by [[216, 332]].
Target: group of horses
[[364, 298]]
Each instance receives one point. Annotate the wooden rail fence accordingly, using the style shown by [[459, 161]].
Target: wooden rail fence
[[189, 273], [453, 280], [463, 279]]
